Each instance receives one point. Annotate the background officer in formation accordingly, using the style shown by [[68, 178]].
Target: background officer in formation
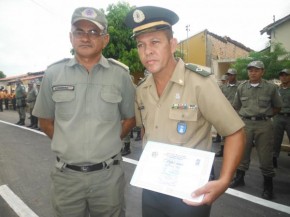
[[223, 81], [20, 94], [175, 105], [86, 106], [282, 119], [229, 89], [1, 99], [256, 101], [31, 98]]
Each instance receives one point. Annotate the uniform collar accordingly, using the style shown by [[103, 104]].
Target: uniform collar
[[177, 75], [103, 62], [260, 84]]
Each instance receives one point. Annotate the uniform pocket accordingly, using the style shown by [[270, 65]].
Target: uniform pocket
[[64, 104], [111, 97], [245, 101], [182, 123], [264, 102]]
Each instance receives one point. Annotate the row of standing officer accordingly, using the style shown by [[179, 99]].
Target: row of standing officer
[[257, 101]]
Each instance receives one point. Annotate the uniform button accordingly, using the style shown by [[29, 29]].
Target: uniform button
[[156, 127]]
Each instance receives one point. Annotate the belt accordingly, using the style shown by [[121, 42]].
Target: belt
[[90, 168], [256, 118], [284, 114]]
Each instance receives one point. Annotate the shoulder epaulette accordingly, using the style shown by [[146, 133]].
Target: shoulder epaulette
[[118, 63], [197, 69], [59, 61]]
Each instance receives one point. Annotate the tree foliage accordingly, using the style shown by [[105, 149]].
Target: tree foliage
[[121, 47], [274, 62], [2, 75]]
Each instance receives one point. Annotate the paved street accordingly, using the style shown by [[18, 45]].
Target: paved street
[[26, 161]]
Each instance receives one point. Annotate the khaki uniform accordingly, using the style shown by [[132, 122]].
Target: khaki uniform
[[87, 109], [254, 105], [184, 114], [282, 121]]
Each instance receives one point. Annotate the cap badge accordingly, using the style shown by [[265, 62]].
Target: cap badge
[[89, 13], [138, 16]]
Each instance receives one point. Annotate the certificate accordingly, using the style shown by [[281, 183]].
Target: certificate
[[173, 170]]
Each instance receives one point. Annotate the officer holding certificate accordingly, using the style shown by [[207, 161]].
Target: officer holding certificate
[[177, 104]]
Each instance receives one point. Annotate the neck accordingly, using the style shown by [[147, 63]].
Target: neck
[[88, 62]]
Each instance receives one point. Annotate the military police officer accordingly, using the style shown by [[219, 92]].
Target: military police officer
[[257, 101], [282, 119], [229, 89], [20, 94], [174, 106], [86, 106], [31, 98]]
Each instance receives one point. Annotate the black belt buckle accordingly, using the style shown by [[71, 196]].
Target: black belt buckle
[[85, 169]]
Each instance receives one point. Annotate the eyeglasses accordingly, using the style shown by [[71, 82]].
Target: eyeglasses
[[92, 34]]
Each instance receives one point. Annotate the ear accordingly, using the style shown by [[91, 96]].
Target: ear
[[70, 37], [173, 45], [106, 40]]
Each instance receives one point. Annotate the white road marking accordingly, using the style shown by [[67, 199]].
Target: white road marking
[[23, 127], [233, 192], [258, 200], [19, 207]]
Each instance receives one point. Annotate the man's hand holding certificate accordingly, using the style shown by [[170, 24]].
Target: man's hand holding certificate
[[173, 170]]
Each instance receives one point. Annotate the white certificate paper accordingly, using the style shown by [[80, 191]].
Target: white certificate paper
[[173, 170]]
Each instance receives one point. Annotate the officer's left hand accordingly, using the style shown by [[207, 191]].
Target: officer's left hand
[[212, 190]]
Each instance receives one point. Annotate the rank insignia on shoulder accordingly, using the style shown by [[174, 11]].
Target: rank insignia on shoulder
[[197, 69], [60, 61], [118, 63]]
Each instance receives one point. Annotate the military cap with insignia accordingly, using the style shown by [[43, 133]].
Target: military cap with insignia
[[150, 19], [90, 14], [232, 71], [256, 64]]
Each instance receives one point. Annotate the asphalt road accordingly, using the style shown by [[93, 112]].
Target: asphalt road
[[26, 161]]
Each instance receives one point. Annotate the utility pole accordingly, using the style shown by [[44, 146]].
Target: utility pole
[[187, 27]]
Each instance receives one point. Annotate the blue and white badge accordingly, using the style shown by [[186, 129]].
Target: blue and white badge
[[181, 127]]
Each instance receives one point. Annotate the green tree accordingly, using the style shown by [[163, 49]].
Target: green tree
[[274, 62], [2, 75], [121, 47]]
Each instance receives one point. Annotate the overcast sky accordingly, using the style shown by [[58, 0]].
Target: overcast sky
[[35, 33]]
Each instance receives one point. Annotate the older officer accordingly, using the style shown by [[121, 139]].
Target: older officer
[[256, 101], [175, 105], [86, 106], [229, 89], [282, 119]]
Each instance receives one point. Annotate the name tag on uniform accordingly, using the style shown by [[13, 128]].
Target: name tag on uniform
[[63, 87], [181, 127]]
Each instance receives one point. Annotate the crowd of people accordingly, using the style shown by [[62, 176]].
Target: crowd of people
[[7, 100], [88, 107]]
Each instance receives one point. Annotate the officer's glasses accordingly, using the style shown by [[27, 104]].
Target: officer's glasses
[[92, 34]]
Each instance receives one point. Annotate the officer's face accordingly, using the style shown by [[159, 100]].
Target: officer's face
[[87, 39], [155, 50], [255, 74], [284, 78]]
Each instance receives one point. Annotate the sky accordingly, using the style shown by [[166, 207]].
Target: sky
[[35, 33]]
